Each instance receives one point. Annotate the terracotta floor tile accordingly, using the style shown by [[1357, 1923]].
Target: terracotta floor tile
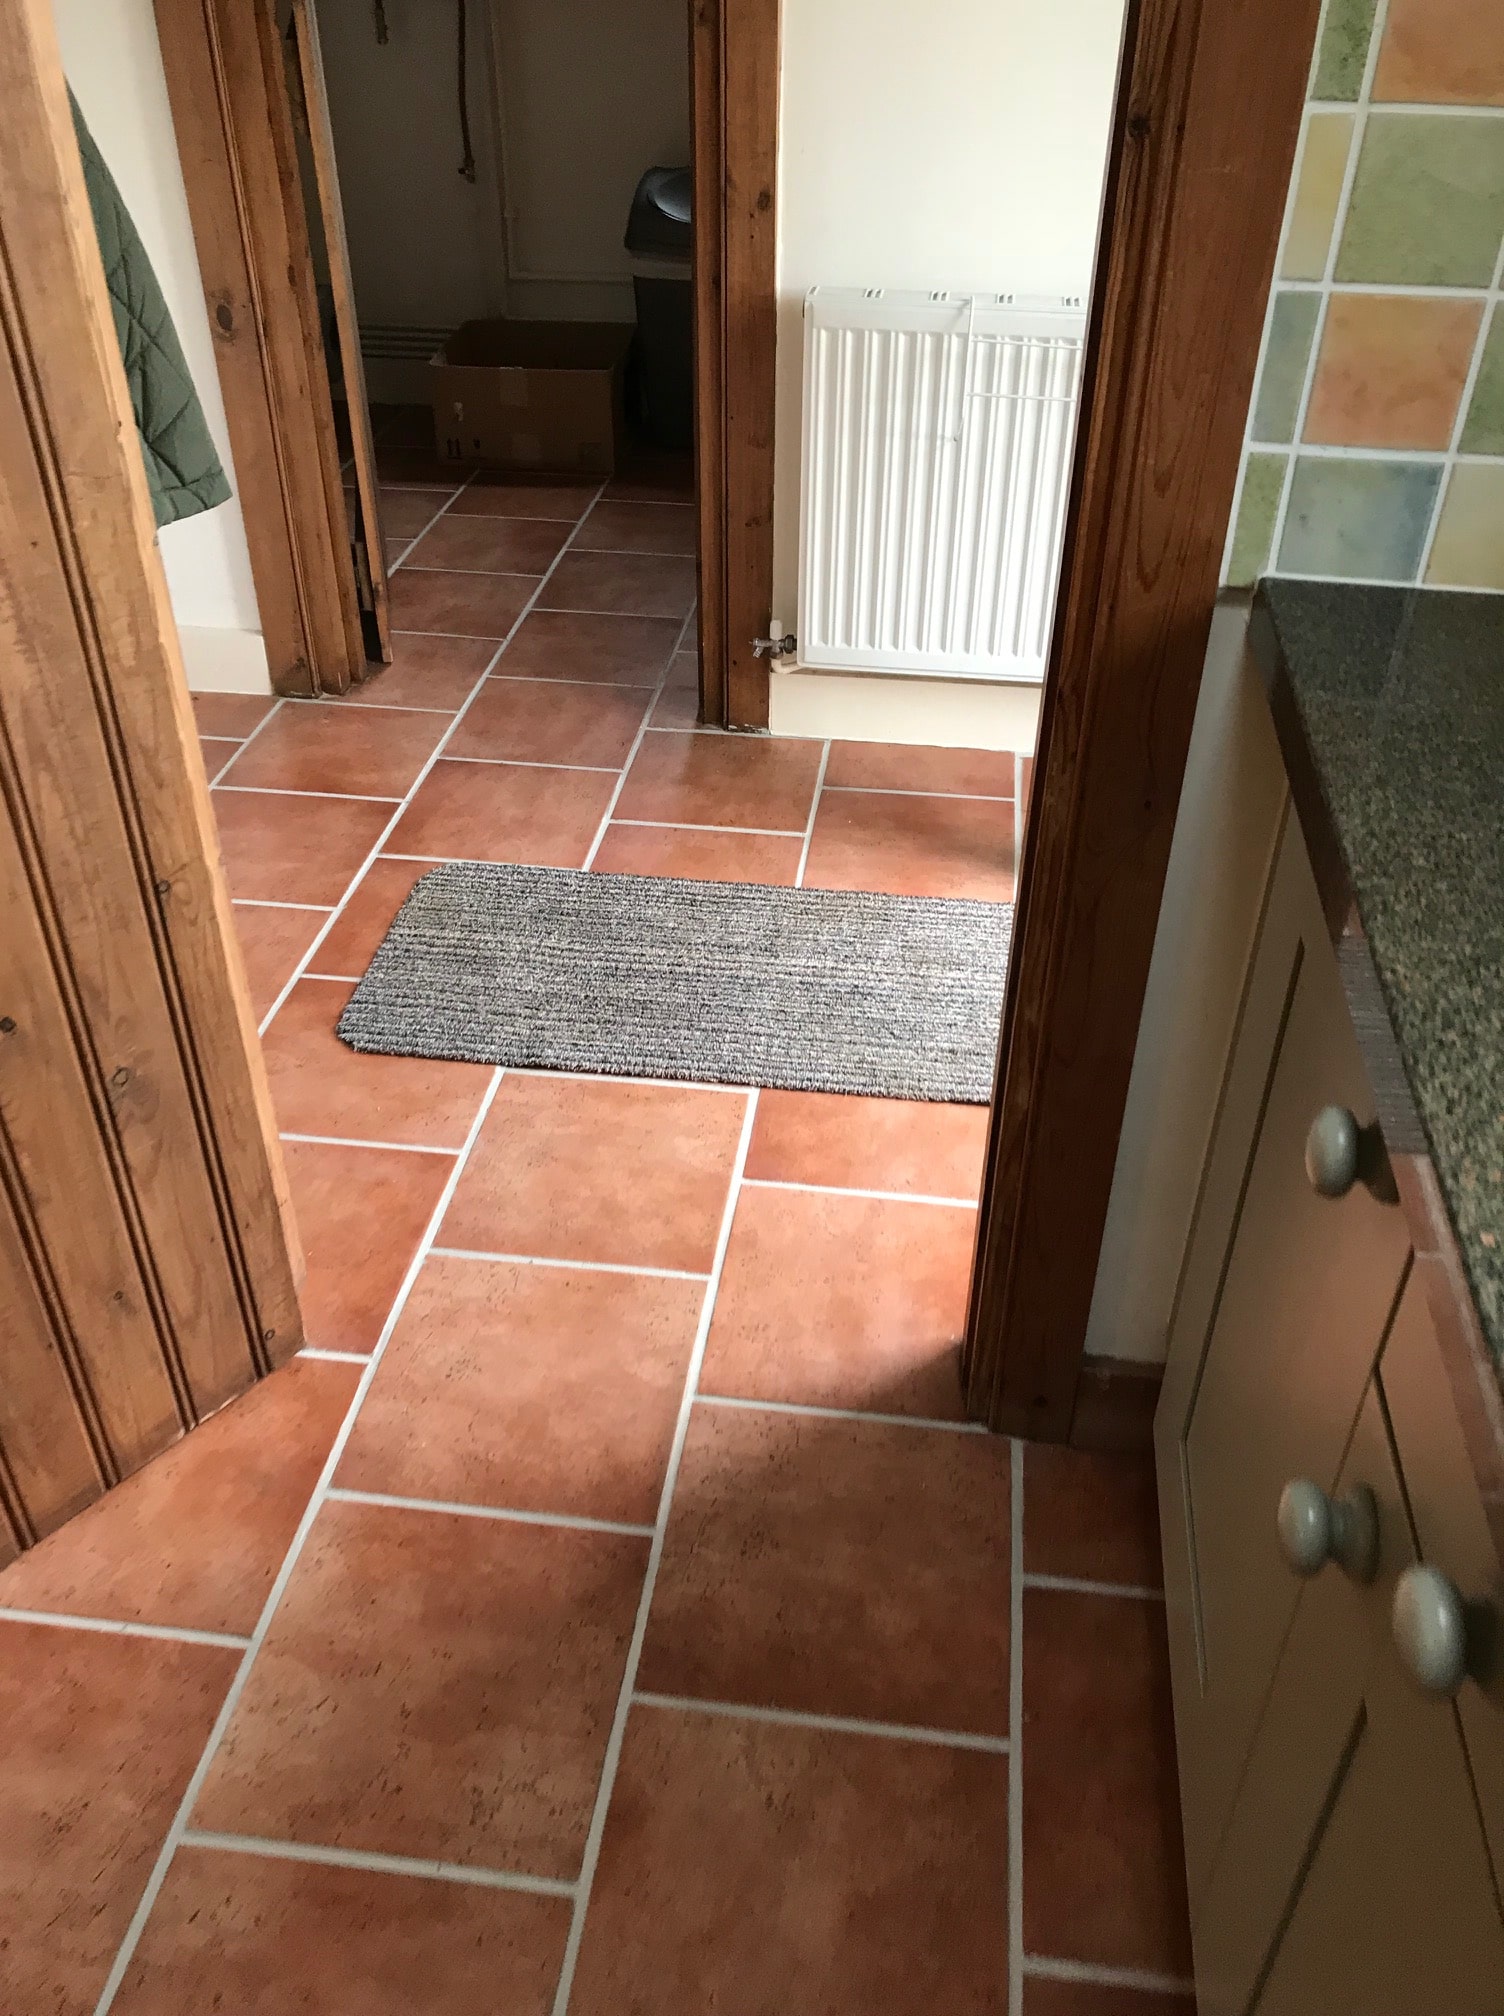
[[404, 512], [684, 668], [231, 714], [679, 707], [837, 1301], [319, 1086], [195, 1537], [369, 752], [1094, 1517], [722, 780], [541, 1389], [258, 1937], [294, 850], [702, 857], [621, 527], [367, 916], [1026, 779], [101, 1737], [892, 766], [1104, 1875], [869, 1144], [492, 545], [361, 1213], [913, 846], [499, 496], [502, 812], [1080, 1998], [217, 751], [665, 485], [603, 650], [543, 721], [272, 941], [416, 465], [750, 1869], [592, 1169], [438, 672], [837, 1567], [434, 1685], [630, 584], [459, 605]]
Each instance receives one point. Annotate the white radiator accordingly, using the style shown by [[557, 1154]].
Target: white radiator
[[937, 447]]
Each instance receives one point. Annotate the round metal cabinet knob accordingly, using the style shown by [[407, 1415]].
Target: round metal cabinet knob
[[1429, 1621], [1332, 1151], [1315, 1529]]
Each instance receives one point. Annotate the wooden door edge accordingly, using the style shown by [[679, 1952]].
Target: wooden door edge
[[1207, 116]]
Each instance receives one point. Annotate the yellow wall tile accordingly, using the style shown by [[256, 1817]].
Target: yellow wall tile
[[1469, 548], [1322, 167]]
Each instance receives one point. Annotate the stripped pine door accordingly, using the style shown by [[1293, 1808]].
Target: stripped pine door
[[147, 1263]]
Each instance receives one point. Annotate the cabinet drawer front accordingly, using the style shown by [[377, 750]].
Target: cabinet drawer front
[[1285, 1302], [1353, 1878]]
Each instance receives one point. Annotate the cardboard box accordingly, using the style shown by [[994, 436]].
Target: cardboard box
[[532, 395]]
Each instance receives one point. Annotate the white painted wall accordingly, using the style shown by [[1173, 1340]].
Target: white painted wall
[[1225, 835], [426, 247], [934, 146], [112, 57], [591, 93]]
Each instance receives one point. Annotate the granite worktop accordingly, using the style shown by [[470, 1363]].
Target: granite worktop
[[1397, 696]]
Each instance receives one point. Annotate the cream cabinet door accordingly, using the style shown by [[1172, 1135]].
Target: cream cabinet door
[[1353, 1879], [1284, 1302]]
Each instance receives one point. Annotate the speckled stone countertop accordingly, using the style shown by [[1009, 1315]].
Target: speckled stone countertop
[[1398, 697]]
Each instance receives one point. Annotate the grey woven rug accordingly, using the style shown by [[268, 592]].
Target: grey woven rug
[[809, 989]]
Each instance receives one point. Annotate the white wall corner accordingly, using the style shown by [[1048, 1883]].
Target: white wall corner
[[1225, 833], [224, 661]]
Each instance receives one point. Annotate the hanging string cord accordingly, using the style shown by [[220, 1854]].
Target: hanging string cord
[[467, 166], [383, 34]]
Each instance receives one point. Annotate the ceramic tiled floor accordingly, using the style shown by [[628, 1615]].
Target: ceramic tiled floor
[[611, 1611]]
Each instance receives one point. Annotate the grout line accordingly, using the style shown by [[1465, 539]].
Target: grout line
[[639, 615], [452, 497], [612, 1760], [814, 808], [574, 1266], [390, 1865], [620, 1078], [475, 573], [337, 1357], [306, 962], [345, 979], [596, 685], [345, 1141], [576, 1521], [270, 715], [1090, 1974], [283, 791], [631, 757], [690, 826], [811, 1411], [877, 1196], [893, 791], [112, 1627], [524, 763], [1083, 1585], [338, 702], [636, 552], [847, 1725], [179, 1827], [271, 903], [1016, 1729]]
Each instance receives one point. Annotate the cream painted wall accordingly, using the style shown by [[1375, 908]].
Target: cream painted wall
[[426, 246], [591, 93], [113, 60], [956, 146], [1225, 834]]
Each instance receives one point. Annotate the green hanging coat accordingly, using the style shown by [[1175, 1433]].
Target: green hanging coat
[[182, 467]]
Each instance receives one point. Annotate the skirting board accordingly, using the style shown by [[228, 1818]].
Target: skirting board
[[944, 713], [224, 661]]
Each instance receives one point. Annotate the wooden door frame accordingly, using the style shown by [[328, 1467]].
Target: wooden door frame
[[148, 1268], [1208, 112], [232, 116]]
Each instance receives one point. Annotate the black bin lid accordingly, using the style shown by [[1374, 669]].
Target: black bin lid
[[660, 217]]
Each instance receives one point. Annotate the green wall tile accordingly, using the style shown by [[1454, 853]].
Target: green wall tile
[[1427, 206], [1358, 520], [1283, 378], [1483, 430], [1344, 49], [1257, 510]]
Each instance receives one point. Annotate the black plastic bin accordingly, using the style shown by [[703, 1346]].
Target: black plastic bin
[[660, 240]]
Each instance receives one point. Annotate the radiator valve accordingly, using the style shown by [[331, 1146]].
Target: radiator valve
[[784, 645]]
